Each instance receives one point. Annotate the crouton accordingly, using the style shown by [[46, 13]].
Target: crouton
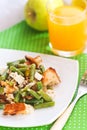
[[50, 77], [17, 108], [37, 60]]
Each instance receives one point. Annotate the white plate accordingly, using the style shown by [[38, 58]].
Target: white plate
[[68, 71]]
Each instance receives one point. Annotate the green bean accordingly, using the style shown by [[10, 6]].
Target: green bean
[[2, 106], [22, 100], [23, 69], [13, 63], [34, 101], [14, 69], [25, 89], [39, 85], [32, 72], [17, 97], [42, 68], [27, 72], [4, 75], [44, 95], [45, 104], [34, 94], [24, 93], [21, 65], [1, 90]]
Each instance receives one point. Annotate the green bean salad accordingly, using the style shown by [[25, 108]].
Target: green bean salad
[[27, 81]]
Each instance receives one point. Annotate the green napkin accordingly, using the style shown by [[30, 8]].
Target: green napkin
[[22, 37]]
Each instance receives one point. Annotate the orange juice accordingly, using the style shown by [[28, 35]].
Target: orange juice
[[67, 27]]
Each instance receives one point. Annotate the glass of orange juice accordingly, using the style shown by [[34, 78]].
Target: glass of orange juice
[[67, 21]]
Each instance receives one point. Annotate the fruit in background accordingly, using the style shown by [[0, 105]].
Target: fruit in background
[[81, 3], [36, 14]]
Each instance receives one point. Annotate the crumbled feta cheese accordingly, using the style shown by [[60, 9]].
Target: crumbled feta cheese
[[18, 78], [38, 76]]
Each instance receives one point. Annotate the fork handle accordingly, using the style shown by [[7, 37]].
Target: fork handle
[[60, 122]]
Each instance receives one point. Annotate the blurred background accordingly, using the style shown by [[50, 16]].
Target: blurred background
[[11, 12]]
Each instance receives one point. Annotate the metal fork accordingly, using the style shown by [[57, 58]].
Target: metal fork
[[82, 90]]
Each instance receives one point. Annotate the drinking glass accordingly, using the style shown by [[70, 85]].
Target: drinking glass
[[67, 26]]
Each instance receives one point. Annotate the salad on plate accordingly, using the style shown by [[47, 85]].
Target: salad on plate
[[26, 85]]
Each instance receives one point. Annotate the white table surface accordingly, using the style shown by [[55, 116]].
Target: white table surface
[[11, 12]]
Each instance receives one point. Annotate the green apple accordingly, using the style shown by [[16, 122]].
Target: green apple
[[35, 13]]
